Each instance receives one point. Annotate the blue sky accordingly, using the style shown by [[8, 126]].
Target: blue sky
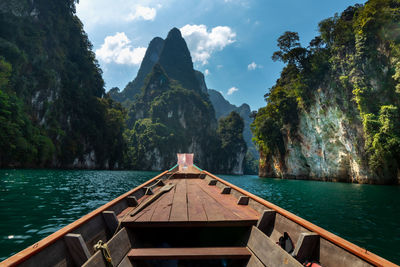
[[231, 41]]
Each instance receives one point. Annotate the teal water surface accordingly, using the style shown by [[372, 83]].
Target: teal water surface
[[35, 203]]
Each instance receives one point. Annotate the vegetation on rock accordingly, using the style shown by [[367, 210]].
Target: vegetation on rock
[[54, 111], [357, 56]]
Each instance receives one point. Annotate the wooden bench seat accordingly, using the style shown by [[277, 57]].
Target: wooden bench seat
[[189, 253]]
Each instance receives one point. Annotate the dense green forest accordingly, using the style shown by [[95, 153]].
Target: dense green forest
[[356, 56], [53, 111]]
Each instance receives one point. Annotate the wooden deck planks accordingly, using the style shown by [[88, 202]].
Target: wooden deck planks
[[193, 201], [179, 209], [146, 214], [229, 202], [196, 211], [214, 210], [163, 207]]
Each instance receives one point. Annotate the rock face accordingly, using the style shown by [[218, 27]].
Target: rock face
[[326, 146], [223, 108], [177, 61], [173, 113], [334, 113], [150, 58], [201, 81]]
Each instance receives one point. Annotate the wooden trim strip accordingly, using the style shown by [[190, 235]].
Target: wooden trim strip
[[356, 250], [38, 246]]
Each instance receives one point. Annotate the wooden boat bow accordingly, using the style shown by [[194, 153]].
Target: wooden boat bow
[[189, 214]]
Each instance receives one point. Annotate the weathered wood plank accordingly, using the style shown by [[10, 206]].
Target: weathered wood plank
[[283, 224], [267, 221], [254, 262], [132, 201], [125, 213], [268, 252], [77, 248], [92, 231], [214, 210], [54, 255], [189, 253], [146, 204], [111, 220], [118, 245], [96, 260], [307, 247], [179, 210], [229, 202], [196, 210], [163, 207], [146, 214]]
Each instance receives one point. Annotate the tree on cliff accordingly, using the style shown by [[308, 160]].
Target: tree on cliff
[[355, 60], [232, 144]]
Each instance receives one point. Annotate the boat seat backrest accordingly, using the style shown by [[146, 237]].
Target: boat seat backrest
[[118, 245], [267, 251], [283, 224], [307, 247]]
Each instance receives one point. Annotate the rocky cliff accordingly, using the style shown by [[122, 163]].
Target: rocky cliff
[[173, 114], [325, 146], [334, 114], [150, 58], [53, 109]]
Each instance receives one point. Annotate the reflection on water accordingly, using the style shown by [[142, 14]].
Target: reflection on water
[[35, 203]]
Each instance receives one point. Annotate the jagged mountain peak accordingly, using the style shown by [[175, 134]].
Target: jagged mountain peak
[[150, 58], [177, 61], [174, 33], [174, 57]]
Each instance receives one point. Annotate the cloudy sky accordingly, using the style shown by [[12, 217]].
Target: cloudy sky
[[231, 41]]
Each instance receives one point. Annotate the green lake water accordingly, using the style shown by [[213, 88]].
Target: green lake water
[[36, 203]]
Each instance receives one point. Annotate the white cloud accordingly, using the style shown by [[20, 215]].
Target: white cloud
[[220, 66], [252, 66], [203, 43], [96, 14], [118, 49], [142, 12], [232, 90], [206, 72]]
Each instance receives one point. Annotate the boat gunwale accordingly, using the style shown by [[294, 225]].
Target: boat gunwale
[[346, 245], [48, 240]]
